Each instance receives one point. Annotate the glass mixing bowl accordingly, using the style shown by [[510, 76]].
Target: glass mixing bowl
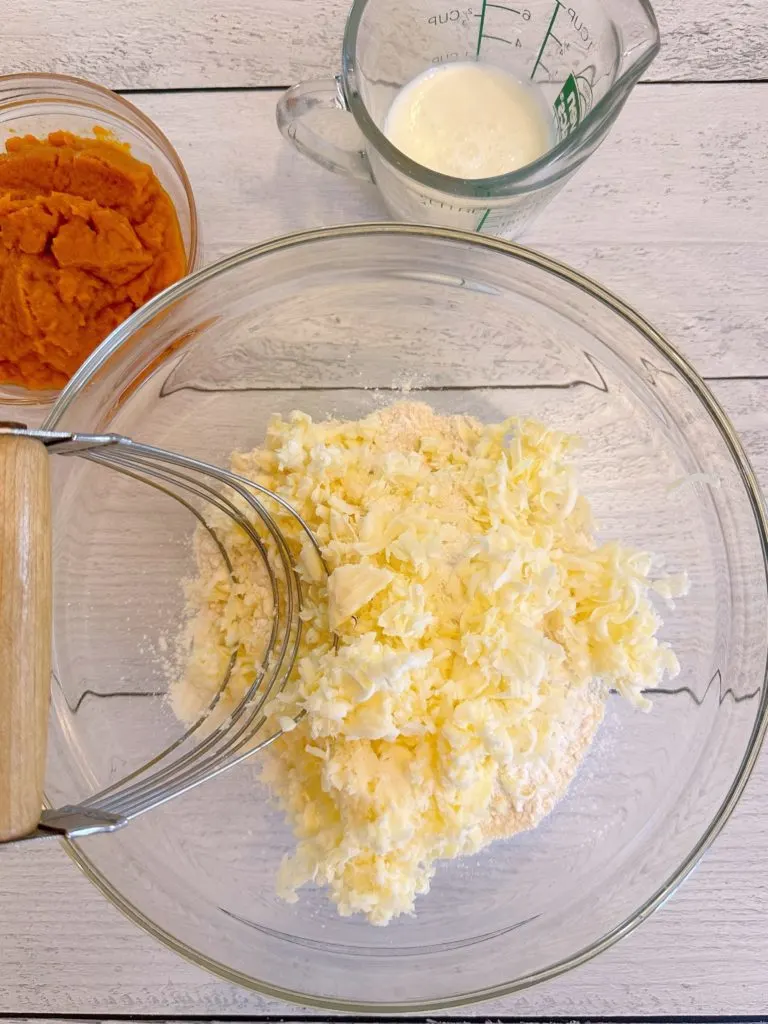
[[340, 322]]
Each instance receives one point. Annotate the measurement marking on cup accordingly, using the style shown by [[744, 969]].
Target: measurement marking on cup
[[454, 14], [480, 28], [521, 12], [546, 37]]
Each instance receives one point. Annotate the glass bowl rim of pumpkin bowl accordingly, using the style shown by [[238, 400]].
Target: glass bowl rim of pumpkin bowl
[[339, 320]]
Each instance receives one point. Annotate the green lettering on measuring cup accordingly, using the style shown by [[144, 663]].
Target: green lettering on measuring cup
[[567, 108]]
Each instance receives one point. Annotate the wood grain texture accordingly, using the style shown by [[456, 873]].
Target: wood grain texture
[[65, 950], [186, 44], [671, 212], [25, 631]]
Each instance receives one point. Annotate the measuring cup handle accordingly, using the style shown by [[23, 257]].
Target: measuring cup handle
[[25, 631], [294, 119]]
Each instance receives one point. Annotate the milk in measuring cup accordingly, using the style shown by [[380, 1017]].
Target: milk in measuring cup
[[470, 120]]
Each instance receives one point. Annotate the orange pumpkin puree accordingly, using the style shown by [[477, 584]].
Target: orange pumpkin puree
[[87, 235]]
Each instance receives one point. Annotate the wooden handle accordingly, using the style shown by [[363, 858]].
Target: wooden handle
[[25, 631]]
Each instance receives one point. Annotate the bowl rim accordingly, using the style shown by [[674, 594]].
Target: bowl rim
[[91, 94], [533, 258]]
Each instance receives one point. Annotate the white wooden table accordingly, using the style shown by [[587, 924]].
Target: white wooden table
[[671, 213]]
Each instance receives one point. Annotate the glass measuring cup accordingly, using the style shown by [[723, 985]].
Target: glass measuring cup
[[584, 56]]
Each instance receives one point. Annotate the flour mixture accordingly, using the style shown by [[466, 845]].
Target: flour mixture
[[480, 627]]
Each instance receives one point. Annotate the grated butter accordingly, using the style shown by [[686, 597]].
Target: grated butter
[[481, 626]]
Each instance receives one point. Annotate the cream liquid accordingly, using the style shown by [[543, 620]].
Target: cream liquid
[[469, 120]]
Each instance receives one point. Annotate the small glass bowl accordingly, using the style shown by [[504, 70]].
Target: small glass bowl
[[36, 104]]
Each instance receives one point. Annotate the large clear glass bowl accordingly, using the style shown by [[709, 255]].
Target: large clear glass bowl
[[338, 322]]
